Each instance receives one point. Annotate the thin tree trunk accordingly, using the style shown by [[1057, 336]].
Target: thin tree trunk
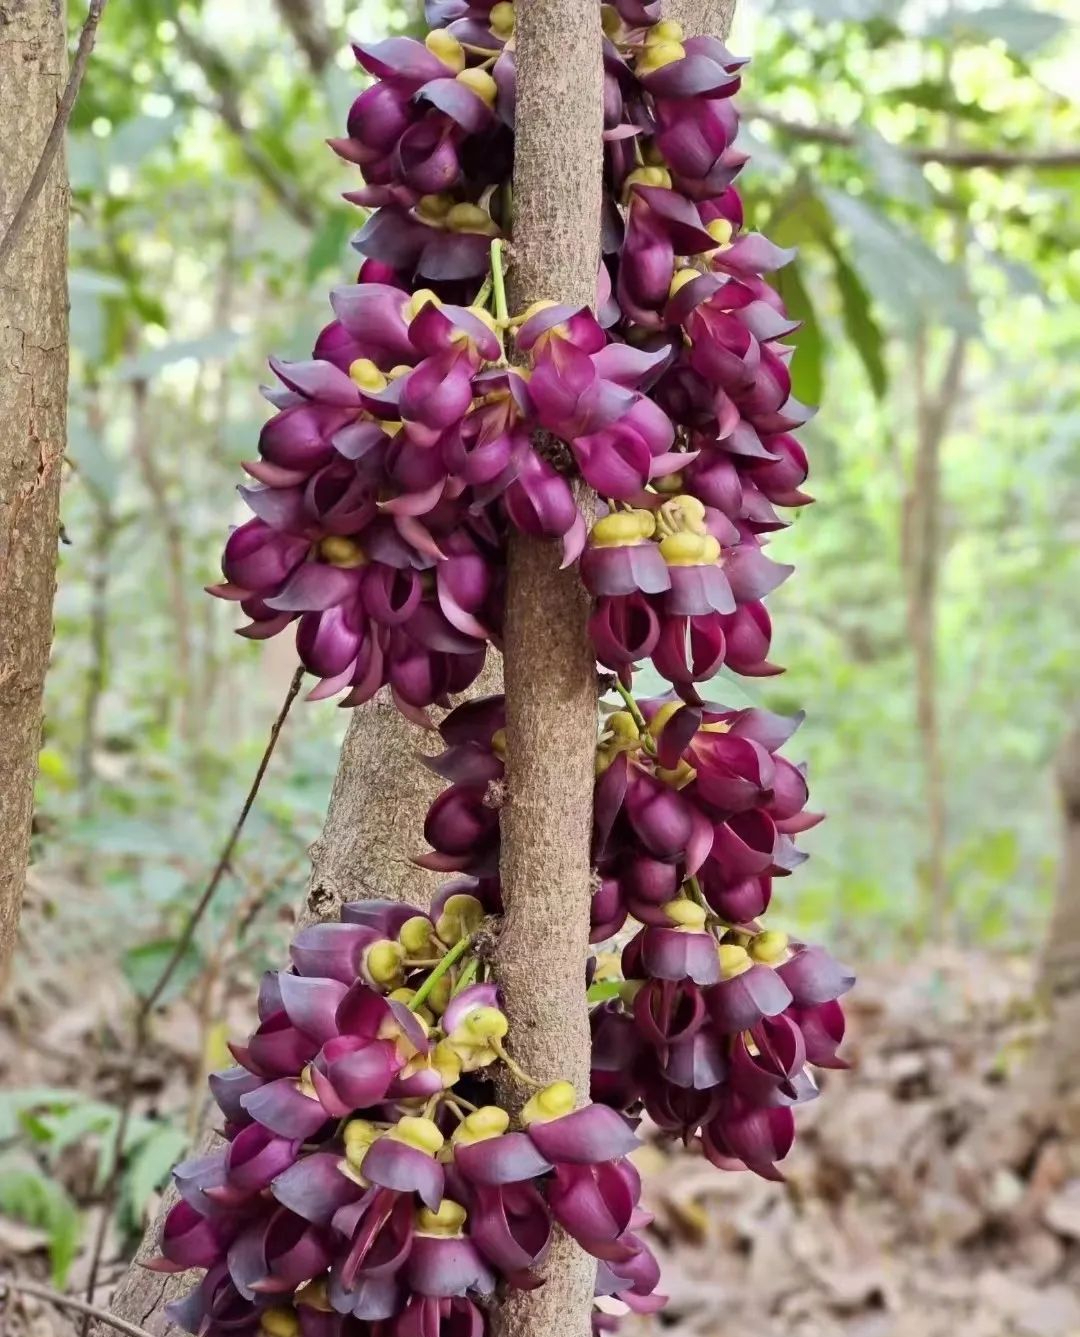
[[921, 550], [33, 419], [101, 543], [172, 539], [550, 668]]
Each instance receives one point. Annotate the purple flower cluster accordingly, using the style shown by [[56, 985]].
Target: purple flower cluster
[[367, 1177], [709, 1021], [403, 453]]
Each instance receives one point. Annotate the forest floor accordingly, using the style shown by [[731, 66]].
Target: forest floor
[[918, 1201]]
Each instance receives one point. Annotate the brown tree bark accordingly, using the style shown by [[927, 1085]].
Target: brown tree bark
[[33, 418], [702, 17], [549, 665], [921, 553]]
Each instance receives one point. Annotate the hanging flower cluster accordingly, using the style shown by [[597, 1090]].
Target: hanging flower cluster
[[368, 1173], [404, 452], [709, 1021]]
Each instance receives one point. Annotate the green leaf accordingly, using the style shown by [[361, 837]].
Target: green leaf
[[143, 967], [150, 1166], [860, 325], [329, 245], [899, 268], [603, 991], [807, 368], [32, 1197]]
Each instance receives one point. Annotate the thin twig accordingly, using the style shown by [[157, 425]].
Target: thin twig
[[1002, 160], [43, 1292], [56, 135], [146, 1008]]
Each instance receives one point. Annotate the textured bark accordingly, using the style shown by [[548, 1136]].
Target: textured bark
[[921, 555], [702, 17], [33, 400], [549, 665], [375, 823]]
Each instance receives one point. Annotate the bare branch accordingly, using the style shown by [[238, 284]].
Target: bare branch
[[42, 1292], [1000, 160], [306, 20], [56, 135]]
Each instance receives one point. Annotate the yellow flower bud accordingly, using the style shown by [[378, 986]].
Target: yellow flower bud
[[341, 551], [280, 1322], [462, 914], [485, 1023], [418, 301], [720, 230], [446, 47], [481, 1126], [360, 1132], [471, 218], [734, 960], [305, 1085], [383, 962], [668, 486], [683, 550], [417, 936], [482, 84], [423, 1134], [666, 31], [686, 914], [396, 373], [502, 18], [439, 996], [551, 1103], [770, 947], [623, 725], [682, 278], [498, 742], [364, 373], [662, 716], [446, 1063], [434, 208], [656, 55], [449, 1220], [616, 530]]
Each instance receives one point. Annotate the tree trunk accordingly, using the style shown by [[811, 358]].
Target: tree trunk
[[921, 552], [710, 18], [549, 664], [33, 418]]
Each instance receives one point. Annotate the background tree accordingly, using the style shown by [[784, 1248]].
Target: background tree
[[33, 410]]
